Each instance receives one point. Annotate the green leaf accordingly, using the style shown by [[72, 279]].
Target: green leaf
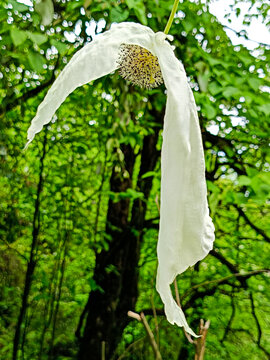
[[254, 83], [212, 61], [243, 180], [118, 15], [60, 46], [139, 9], [230, 91], [37, 38], [265, 108], [18, 37], [214, 88], [140, 13], [188, 26], [203, 81], [36, 61], [18, 6], [45, 9], [209, 111]]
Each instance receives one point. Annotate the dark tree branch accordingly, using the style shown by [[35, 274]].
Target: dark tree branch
[[216, 283], [253, 312], [210, 291], [253, 226], [233, 268], [14, 101], [243, 34], [228, 327]]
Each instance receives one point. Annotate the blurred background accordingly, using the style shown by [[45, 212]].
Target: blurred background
[[79, 209]]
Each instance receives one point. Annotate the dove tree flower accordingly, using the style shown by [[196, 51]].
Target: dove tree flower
[[186, 231]]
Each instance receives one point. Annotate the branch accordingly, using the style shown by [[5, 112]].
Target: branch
[[243, 34], [208, 292], [258, 325], [149, 224], [189, 338], [253, 226], [233, 268], [217, 282], [227, 329], [17, 251], [200, 342], [141, 317], [126, 351], [13, 101], [255, 318]]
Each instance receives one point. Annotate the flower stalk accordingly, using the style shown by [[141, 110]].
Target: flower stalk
[[170, 21]]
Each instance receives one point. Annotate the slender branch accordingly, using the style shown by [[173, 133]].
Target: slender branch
[[224, 280], [257, 324], [154, 313], [253, 226], [227, 329], [151, 337], [14, 101], [243, 33], [179, 304], [122, 356], [15, 250], [233, 268], [255, 318], [210, 291], [200, 342], [141, 317]]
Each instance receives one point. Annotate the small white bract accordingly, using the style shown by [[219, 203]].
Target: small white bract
[[139, 66]]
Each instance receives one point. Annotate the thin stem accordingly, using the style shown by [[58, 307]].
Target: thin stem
[[170, 21]]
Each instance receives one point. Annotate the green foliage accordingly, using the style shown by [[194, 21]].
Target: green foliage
[[85, 144]]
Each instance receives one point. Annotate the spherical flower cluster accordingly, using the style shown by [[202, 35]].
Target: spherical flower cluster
[[139, 66]]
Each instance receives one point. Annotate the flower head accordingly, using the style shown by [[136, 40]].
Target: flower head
[[139, 66]]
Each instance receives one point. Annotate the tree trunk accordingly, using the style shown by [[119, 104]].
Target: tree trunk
[[116, 270]]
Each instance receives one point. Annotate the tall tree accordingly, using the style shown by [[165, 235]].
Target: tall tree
[[109, 134]]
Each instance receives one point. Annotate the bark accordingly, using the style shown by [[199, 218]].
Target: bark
[[107, 309]]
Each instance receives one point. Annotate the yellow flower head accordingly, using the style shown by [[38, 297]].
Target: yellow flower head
[[139, 66]]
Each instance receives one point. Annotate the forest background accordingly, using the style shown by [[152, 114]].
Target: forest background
[[79, 209]]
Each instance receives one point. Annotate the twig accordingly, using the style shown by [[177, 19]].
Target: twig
[[200, 342], [151, 337], [157, 203], [134, 315], [155, 314], [179, 304], [243, 33], [141, 317], [122, 356], [103, 349], [233, 268]]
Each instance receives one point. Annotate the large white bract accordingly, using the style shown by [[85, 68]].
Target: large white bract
[[186, 231]]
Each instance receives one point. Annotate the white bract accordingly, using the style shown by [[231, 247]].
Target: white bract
[[186, 231]]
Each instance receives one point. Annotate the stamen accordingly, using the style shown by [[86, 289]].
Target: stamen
[[139, 66]]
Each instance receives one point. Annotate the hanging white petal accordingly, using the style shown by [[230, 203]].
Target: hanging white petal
[[186, 231]]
